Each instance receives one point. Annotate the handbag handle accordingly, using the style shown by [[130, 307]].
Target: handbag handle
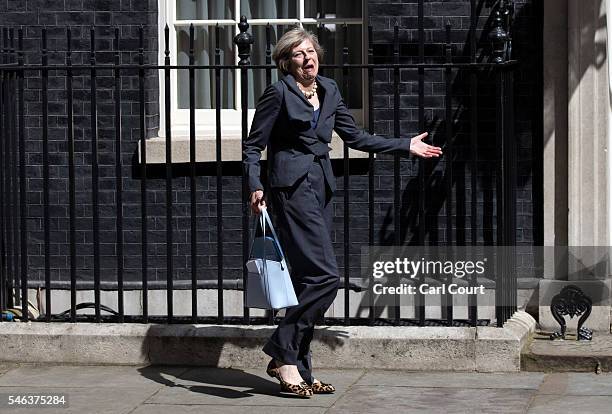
[[257, 220], [263, 259], [262, 219], [266, 216]]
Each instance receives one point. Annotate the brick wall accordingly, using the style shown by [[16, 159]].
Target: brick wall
[[128, 16], [383, 15]]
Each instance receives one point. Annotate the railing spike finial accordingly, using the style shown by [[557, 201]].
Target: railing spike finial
[[498, 38], [244, 40], [167, 43], [507, 11], [191, 39]]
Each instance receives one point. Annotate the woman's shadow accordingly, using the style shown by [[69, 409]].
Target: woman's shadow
[[198, 371], [217, 382]]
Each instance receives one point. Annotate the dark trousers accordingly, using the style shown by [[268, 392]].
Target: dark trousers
[[304, 214]]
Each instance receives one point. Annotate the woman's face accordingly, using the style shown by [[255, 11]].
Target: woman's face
[[304, 61]]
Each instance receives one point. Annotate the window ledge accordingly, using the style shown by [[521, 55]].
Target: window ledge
[[231, 149]]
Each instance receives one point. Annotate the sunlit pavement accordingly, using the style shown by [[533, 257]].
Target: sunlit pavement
[[171, 389]]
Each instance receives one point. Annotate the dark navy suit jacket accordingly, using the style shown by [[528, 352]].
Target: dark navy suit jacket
[[282, 118]]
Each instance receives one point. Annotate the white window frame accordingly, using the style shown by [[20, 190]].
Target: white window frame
[[231, 118]]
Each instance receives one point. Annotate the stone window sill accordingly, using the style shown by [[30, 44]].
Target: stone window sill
[[231, 149]]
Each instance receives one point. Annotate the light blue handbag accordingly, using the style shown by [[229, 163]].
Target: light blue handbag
[[268, 283]]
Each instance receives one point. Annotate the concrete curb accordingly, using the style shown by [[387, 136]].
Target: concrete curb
[[484, 349]]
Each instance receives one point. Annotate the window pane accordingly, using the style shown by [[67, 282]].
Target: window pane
[[331, 38], [204, 51], [257, 77], [204, 9], [269, 9], [340, 9]]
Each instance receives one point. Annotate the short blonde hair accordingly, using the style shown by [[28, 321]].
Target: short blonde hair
[[288, 41]]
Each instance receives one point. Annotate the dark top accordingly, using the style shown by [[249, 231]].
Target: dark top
[[315, 118]]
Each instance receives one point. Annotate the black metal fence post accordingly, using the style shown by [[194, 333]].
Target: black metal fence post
[[168, 121], [472, 300], [371, 164], [244, 40], [505, 179], [9, 250], [346, 184], [422, 163], [45, 157], [118, 178], [448, 121], [95, 192], [219, 171], [144, 265], [396, 314], [268, 70], [3, 247], [71, 176], [22, 176], [500, 282], [192, 178], [12, 162], [511, 190]]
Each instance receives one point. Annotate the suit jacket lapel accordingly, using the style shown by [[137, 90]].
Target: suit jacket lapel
[[298, 107], [327, 105], [292, 84], [302, 109]]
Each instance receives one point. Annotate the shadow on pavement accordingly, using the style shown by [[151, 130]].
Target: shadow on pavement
[[218, 382]]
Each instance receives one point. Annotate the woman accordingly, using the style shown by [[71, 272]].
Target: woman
[[296, 116]]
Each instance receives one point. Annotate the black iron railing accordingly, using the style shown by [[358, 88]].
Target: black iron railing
[[15, 168]]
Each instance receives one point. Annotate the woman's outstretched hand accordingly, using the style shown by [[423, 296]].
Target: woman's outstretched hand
[[423, 150], [257, 201]]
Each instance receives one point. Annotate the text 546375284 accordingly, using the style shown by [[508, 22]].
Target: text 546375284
[[33, 400]]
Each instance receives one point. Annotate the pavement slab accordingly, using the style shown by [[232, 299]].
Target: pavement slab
[[469, 380], [385, 400], [555, 404], [577, 384], [84, 376]]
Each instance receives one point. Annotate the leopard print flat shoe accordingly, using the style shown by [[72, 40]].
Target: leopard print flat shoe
[[272, 370], [302, 389], [322, 388]]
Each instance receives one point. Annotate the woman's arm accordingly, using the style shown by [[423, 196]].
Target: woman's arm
[[360, 140], [266, 112]]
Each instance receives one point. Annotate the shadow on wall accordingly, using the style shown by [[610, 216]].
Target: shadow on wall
[[527, 53], [528, 116], [591, 43]]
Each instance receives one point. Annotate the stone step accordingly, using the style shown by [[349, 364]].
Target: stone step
[[569, 355], [482, 348]]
